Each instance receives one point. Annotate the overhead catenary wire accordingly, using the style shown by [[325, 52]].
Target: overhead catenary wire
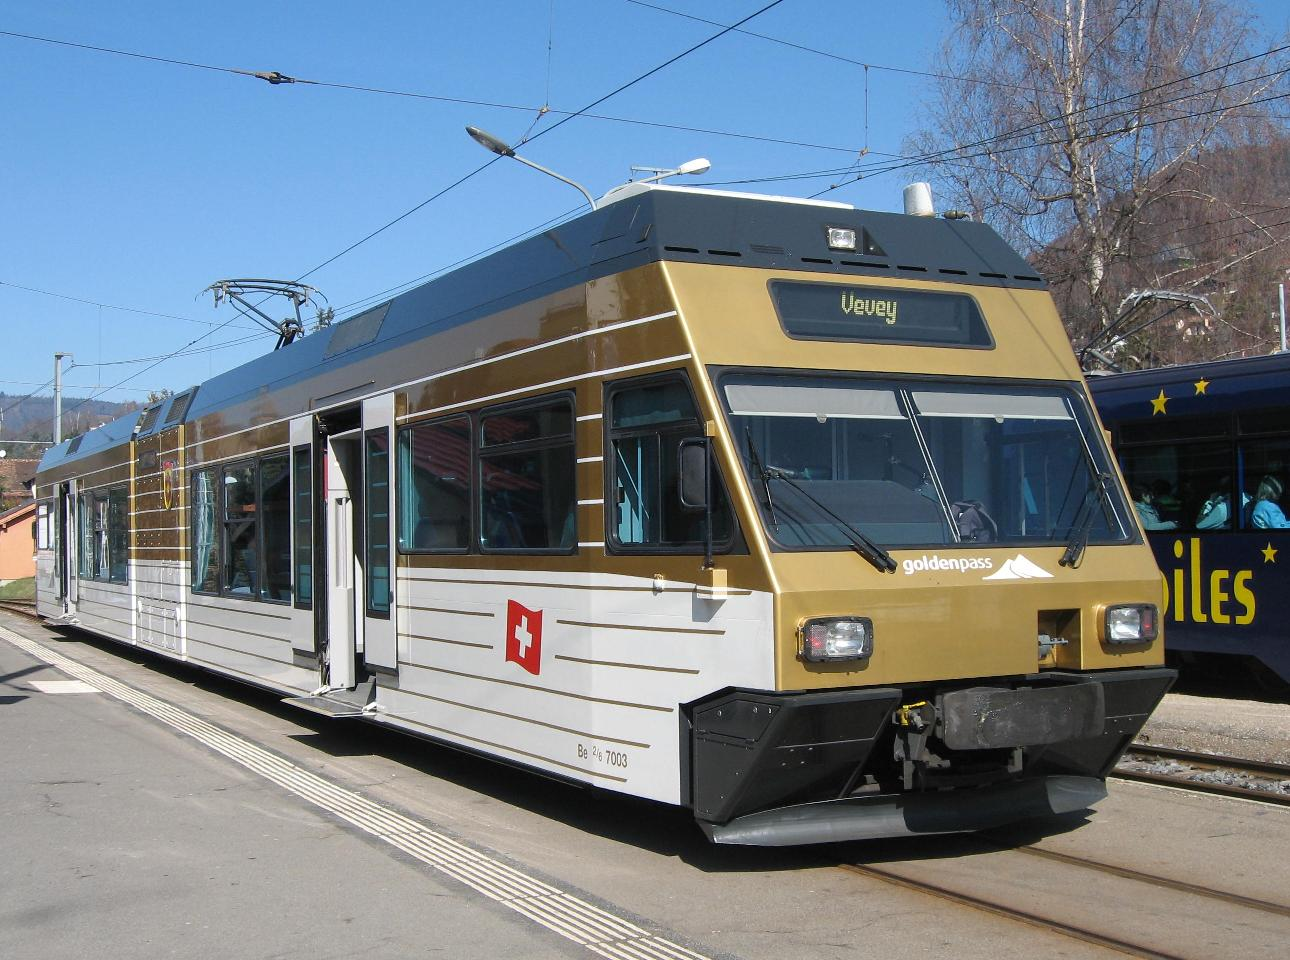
[[542, 109], [948, 155], [111, 306], [922, 161], [24, 399], [834, 56], [1016, 132], [617, 90], [541, 133]]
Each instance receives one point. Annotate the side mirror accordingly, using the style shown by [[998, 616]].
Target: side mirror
[[692, 473]]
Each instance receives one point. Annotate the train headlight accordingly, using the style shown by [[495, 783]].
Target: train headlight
[[842, 238], [1130, 623], [836, 638]]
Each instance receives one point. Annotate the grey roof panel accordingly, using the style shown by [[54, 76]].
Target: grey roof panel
[[657, 224]]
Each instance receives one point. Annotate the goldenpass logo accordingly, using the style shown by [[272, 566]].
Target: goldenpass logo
[[936, 562]]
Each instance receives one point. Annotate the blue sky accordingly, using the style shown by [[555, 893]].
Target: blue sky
[[137, 184]]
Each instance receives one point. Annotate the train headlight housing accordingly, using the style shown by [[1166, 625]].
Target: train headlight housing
[[842, 238], [1131, 623], [829, 639]]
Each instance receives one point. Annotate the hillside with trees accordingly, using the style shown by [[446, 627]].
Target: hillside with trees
[[1136, 153]]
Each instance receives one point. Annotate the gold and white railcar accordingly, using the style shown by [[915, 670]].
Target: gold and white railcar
[[790, 513]]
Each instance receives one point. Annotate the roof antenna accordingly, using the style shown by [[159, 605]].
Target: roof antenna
[[299, 294]]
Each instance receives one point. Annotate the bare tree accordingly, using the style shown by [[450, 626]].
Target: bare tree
[[1082, 123]]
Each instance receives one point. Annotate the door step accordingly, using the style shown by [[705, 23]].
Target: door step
[[326, 706], [339, 703]]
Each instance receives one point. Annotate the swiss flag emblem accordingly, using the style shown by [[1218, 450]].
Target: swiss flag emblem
[[524, 636]]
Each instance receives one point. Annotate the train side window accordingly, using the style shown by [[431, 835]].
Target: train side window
[[117, 539], [85, 528], [241, 568], [434, 487], [1181, 486], [647, 421], [45, 513], [100, 515], [103, 519], [205, 545], [1265, 473], [376, 531], [275, 528], [304, 525], [526, 471]]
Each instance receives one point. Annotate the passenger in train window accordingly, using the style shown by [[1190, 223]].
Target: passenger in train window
[[1216, 512], [1267, 512], [1144, 502]]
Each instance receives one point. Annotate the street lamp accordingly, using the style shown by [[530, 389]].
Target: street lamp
[[503, 149]]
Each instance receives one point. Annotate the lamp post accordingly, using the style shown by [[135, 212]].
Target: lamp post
[[503, 149]]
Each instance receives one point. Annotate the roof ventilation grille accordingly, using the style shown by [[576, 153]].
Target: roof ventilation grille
[[179, 405], [147, 420]]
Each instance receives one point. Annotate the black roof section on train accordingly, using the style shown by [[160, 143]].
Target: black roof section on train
[[1241, 384], [655, 224]]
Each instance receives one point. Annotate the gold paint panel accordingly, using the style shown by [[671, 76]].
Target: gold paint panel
[[951, 624], [732, 320]]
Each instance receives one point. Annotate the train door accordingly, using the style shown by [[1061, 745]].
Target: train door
[[68, 542], [379, 630], [341, 483]]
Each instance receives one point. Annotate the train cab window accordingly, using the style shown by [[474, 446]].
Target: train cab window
[[934, 464], [526, 478], [1029, 455], [275, 528], [241, 567], [205, 545], [434, 487], [647, 421]]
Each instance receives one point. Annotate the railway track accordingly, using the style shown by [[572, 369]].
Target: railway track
[[973, 888], [1188, 770], [1109, 935], [1008, 911], [25, 607]]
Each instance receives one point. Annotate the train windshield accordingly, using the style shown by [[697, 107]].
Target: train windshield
[[922, 464]]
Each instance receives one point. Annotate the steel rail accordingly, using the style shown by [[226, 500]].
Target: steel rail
[[1128, 873], [1010, 913], [1216, 761], [26, 608], [1182, 780]]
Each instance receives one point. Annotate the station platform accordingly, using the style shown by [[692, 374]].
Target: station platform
[[124, 839]]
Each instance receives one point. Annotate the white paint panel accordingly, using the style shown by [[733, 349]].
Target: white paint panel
[[616, 664]]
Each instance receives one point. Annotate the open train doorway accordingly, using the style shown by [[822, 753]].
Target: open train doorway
[[339, 614], [354, 623], [65, 544]]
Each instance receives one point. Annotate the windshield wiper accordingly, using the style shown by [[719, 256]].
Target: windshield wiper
[[1084, 519], [876, 555], [764, 475]]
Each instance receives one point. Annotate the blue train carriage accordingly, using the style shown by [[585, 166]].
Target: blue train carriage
[[1205, 449], [789, 513]]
